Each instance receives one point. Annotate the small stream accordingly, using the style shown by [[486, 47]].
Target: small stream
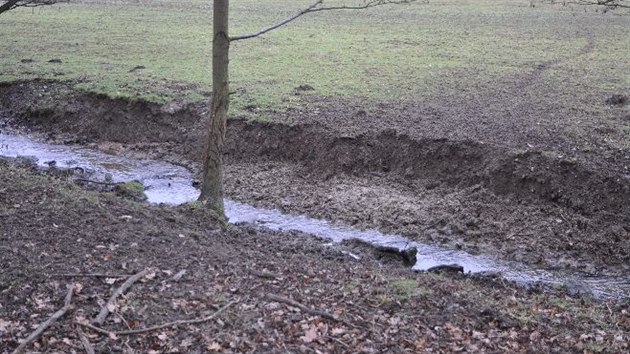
[[171, 184]]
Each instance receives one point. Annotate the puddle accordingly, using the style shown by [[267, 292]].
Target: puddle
[[168, 183]]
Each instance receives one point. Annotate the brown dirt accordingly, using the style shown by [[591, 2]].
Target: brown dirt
[[477, 189], [51, 227]]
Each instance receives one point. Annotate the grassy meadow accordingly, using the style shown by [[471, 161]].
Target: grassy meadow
[[389, 53]]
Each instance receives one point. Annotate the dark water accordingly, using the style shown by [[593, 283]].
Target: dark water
[[171, 184]]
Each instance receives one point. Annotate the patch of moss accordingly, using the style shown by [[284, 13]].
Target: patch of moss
[[133, 190]]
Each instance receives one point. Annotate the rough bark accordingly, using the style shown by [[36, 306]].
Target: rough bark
[[212, 189]]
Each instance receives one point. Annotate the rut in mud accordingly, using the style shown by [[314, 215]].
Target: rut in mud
[[526, 205]]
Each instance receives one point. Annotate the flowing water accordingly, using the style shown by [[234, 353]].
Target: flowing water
[[172, 184]]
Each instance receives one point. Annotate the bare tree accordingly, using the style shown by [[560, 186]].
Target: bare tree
[[212, 187], [12, 4]]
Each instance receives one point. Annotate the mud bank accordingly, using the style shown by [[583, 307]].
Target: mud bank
[[536, 206]]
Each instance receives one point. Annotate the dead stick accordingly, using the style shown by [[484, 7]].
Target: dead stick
[[42, 327], [89, 349], [100, 318], [154, 328], [95, 182], [339, 341], [302, 307], [90, 275]]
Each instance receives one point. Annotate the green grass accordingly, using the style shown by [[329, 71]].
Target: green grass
[[386, 54]]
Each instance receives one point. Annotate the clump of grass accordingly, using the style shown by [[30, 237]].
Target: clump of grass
[[133, 190]]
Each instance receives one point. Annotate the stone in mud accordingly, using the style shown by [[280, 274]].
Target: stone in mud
[[446, 269], [383, 253]]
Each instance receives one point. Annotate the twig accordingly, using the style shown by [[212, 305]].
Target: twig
[[339, 341], [302, 307], [88, 275], [42, 327], [96, 182], [100, 318], [516, 233], [264, 275], [432, 225], [154, 328], [89, 349], [316, 7], [122, 319]]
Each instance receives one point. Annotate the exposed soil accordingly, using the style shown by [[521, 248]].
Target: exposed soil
[[480, 190], [55, 234]]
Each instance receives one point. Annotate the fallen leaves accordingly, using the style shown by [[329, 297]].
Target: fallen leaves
[[310, 335]]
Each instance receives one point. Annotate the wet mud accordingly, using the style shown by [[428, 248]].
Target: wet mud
[[524, 204]]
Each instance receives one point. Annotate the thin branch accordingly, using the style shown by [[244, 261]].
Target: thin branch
[[90, 275], [12, 4], [9, 5], [111, 303], [42, 327], [316, 7], [302, 307], [608, 4], [162, 326], [95, 182], [89, 349]]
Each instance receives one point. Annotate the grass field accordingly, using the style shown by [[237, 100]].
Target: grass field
[[386, 54]]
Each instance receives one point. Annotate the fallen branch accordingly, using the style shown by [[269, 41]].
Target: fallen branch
[[264, 275], [162, 326], [42, 327], [100, 318], [96, 182], [302, 307], [89, 349], [90, 275]]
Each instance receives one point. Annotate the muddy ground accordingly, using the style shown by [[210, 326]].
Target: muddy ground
[[513, 188], [55, 234], [488, 197]]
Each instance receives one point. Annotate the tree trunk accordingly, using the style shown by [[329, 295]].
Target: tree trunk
[[212, 188]]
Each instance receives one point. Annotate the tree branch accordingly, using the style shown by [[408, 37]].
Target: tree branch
[[316, 7], [162, 326], [12, 4], [308, 310], [111, 303], [608, 4], [42, 327]]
